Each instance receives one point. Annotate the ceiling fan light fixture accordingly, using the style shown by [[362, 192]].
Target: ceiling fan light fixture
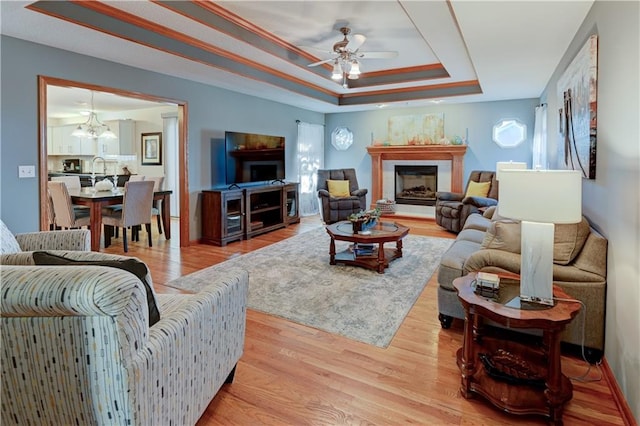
[[337, 71], [354, 71]]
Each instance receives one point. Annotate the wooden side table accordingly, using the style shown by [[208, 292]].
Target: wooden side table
[[548, 390]]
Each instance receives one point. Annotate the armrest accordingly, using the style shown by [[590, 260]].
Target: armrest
[[449, 196], [480, 201], [359, 192], [493, 260], [323, 193], [77, 240], [203, 336]]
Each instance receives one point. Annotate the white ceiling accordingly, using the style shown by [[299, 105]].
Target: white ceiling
[[510, 47]]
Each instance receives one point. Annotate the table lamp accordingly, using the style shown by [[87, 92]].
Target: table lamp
[[539, 198], [508, 165]]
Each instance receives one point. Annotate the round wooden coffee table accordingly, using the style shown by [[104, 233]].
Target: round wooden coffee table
[[367, 249]]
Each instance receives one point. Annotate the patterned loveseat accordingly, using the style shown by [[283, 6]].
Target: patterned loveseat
[[77, 347]]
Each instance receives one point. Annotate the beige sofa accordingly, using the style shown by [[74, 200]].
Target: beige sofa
[[492, 244], [85, 343]]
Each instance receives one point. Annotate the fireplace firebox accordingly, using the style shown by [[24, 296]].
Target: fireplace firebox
[[416, 185]]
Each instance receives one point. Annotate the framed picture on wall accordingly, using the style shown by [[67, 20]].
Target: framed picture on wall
[[152, 149]]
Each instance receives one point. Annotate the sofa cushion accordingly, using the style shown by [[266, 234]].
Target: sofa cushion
[[134, 266], [8, 242], [338, 188], [568, 240], [489, 211], [452, 262], [477, 221], [503, 235], [478, 189], [470, 234]]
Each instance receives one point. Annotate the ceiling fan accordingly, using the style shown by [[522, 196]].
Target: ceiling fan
[[347, 55]]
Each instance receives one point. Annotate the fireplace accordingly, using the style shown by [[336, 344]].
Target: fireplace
[[447, 158], [416, 185]]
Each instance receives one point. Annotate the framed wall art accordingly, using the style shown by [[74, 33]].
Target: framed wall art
[[152, 149], [577, 92]]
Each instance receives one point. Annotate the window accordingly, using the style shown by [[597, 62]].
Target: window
[[509, 133]]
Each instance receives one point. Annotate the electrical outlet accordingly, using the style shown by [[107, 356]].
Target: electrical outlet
[[26, 171]]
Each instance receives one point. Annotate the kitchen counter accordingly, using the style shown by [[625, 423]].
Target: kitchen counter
[[85, 178]]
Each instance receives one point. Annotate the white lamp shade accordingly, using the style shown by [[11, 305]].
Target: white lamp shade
[[508, 165], [551, 196], [336, 74]]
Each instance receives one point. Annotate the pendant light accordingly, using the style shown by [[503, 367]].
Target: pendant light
[[93, 128]]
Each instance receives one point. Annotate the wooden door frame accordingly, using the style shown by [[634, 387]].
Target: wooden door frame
[[44, 81]]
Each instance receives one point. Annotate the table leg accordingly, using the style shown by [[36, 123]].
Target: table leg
[[166, 219], [96, 225], [332, 252], [399, 248], [554, 377], [381, 258], [468, 362]]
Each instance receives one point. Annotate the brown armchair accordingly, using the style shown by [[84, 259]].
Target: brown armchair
[[335, 209], [452, 209]]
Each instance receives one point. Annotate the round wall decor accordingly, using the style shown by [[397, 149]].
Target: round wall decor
[[341, 138]]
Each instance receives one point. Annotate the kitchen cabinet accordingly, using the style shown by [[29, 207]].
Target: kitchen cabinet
[[125, 144], [60, 140], [64, 143]]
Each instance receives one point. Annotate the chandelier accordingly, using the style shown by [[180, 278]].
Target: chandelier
[[93, 128]]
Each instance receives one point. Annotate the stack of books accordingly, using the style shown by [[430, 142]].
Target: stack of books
[[363, 249], [487, 285]]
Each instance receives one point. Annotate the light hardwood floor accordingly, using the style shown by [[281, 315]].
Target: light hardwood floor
[[291, 374]]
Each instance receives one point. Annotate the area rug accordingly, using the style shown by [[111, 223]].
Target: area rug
[[292, 279]]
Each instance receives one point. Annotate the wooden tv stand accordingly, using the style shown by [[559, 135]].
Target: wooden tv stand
[[241, 213]]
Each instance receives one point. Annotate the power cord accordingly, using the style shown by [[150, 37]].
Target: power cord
[[583, 377]]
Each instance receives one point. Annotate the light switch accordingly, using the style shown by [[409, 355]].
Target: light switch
[[26, 171]]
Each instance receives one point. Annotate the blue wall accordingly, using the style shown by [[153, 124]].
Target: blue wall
[[478, 118], [211, 111]]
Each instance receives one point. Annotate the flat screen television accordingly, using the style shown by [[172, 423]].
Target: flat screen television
[[253, 158]]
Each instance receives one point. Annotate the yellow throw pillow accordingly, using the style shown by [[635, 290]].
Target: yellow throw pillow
[[478, 189], [338, 188]]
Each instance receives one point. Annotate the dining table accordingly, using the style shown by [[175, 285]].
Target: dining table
[[96, 200]]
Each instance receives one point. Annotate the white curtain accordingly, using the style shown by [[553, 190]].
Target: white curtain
[[540, 160], [172, 163], [310, 157]]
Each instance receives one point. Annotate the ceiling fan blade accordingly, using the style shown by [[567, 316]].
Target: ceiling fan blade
[[356, 41], [377, 55], [321, 62], [316, 50]]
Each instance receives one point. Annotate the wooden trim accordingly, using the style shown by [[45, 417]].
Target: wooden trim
[[167, 32], [616, 393], [412, 89], [43, 168], [226, 14], [183, 38], [378, 154], [414, 69], [44, 81]]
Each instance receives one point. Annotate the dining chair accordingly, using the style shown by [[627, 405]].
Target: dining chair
[[73, 184], [155, 210], [65, 215], [116, 207], [136, 210], [51, 216]]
